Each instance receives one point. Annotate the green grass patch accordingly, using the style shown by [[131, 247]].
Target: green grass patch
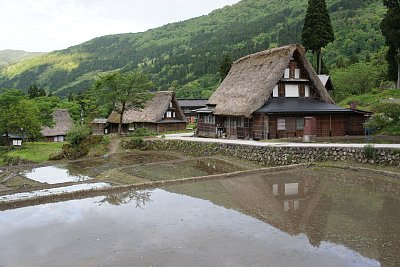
[[369, 100], [37, 152], [176, 132]]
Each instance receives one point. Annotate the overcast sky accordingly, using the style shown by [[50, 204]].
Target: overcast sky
[[47, 25]]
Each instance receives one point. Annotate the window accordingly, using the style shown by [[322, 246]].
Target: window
[[17, 142], [287, 74], [281, 124], [170, 104], [299, 123], [240, 122], [169, 114], [290, 124], [209, 119], [297, 73]]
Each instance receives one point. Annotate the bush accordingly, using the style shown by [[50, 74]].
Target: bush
[[142, 132], [135, 143], [77, 134], [13, 161], [370, 152], [386, 118]]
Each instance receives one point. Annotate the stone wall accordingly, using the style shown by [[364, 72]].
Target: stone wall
[[276, 156]]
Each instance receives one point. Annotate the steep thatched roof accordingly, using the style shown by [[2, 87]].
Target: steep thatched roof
[[153, 110], [252, 79], [62, 123]]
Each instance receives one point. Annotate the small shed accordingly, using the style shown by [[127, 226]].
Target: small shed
[[99, 126], [13, 139], [62, 124], [189, 106]]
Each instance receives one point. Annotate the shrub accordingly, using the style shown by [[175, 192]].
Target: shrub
[[77, 134], [386, 117], [142, 132], [13, 161], [370, 152], [137, 142]]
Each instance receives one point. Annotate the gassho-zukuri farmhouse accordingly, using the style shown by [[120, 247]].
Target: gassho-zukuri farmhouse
[[275, 94]]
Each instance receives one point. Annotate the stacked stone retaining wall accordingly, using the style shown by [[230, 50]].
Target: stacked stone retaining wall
[[276, 156]]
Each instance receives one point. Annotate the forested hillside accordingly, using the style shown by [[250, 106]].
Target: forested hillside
[[8, 57], [185, 56]]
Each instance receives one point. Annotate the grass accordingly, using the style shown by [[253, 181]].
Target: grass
[[176, 132], [368, 100], [37, 152]]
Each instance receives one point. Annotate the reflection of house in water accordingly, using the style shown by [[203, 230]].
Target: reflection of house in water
[[292, 192], [359, 211], [283, 202]]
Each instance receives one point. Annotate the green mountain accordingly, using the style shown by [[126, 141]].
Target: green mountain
[[185, 56], [8, 57]]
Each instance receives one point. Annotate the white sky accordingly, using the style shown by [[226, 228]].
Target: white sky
[[47, 25]]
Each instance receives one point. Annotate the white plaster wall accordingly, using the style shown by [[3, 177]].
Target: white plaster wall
[[286, 73], [291, 90], [297, 73], [307, 91], [275, 92]]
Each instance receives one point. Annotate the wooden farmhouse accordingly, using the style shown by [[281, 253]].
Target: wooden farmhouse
[[160, 114], [269, 94], [62, 124]]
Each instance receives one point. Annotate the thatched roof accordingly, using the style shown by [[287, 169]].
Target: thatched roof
[[152, 112], [62, 123], [252, 79]]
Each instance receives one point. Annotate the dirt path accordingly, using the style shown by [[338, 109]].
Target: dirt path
[[114, 145]]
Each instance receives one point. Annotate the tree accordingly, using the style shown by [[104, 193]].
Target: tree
[[390, 27], [18, 114], [225, 66], [124, 91], [317, 30], [34, 91]]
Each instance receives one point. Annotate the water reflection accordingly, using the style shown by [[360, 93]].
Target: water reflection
[[172, 230], [360, 212], [141, 198], [54, 175]]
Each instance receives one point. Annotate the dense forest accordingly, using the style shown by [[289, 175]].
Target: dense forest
[[186, 56], [8, 57]]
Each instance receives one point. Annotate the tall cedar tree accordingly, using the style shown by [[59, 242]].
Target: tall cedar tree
[[225, 66], [129, 90], [390, 27], [317, 30]]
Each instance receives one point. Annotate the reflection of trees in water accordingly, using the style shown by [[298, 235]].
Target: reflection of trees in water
[[117, 199]]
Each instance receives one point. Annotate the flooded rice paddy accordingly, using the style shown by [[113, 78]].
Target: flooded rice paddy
[[302, 217], [54, 175]]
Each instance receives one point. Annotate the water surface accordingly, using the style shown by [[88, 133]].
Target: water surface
[[299, 218]]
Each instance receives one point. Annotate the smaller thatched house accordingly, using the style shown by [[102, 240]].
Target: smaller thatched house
[[160, 114], [62, 124]]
